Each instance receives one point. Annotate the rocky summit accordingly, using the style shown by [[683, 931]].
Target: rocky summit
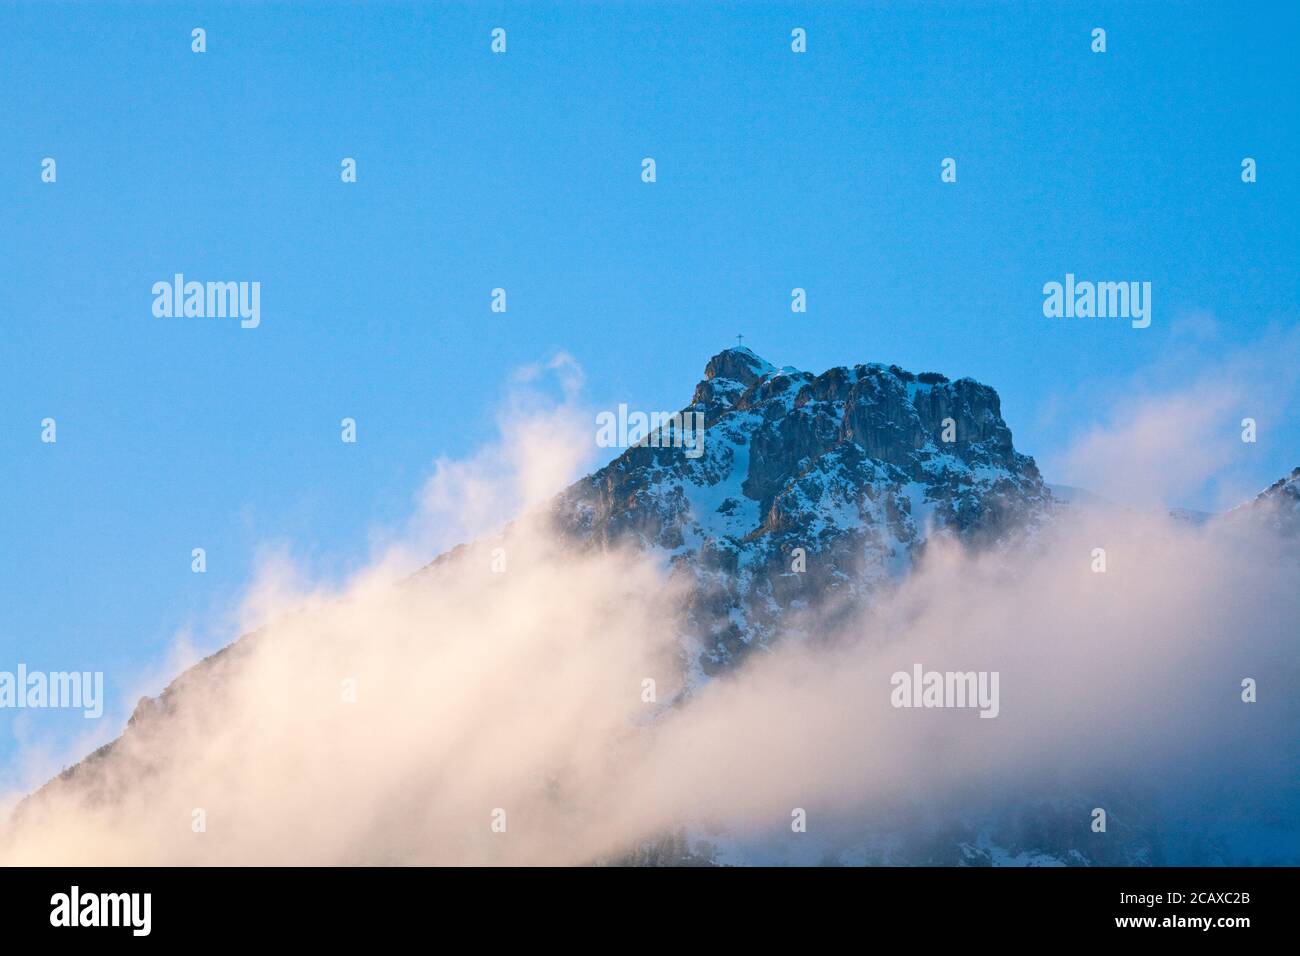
[[811, 491]]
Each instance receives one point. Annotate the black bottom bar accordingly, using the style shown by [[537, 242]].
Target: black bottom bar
[[368, 905]]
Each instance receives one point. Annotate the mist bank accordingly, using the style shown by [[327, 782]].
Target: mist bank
[[489, 714]]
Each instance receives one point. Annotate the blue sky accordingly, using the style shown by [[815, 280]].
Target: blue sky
[[522, 170]]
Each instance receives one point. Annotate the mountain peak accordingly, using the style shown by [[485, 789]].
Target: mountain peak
[[855, 467], [738, 364]]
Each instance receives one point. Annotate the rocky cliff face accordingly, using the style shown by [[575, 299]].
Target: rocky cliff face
[[812, 491]]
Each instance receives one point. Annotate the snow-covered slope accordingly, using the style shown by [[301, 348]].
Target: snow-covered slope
[[1277, 507], [810, 489]]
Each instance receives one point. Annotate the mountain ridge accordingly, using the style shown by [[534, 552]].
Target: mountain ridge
[[858, 467]]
